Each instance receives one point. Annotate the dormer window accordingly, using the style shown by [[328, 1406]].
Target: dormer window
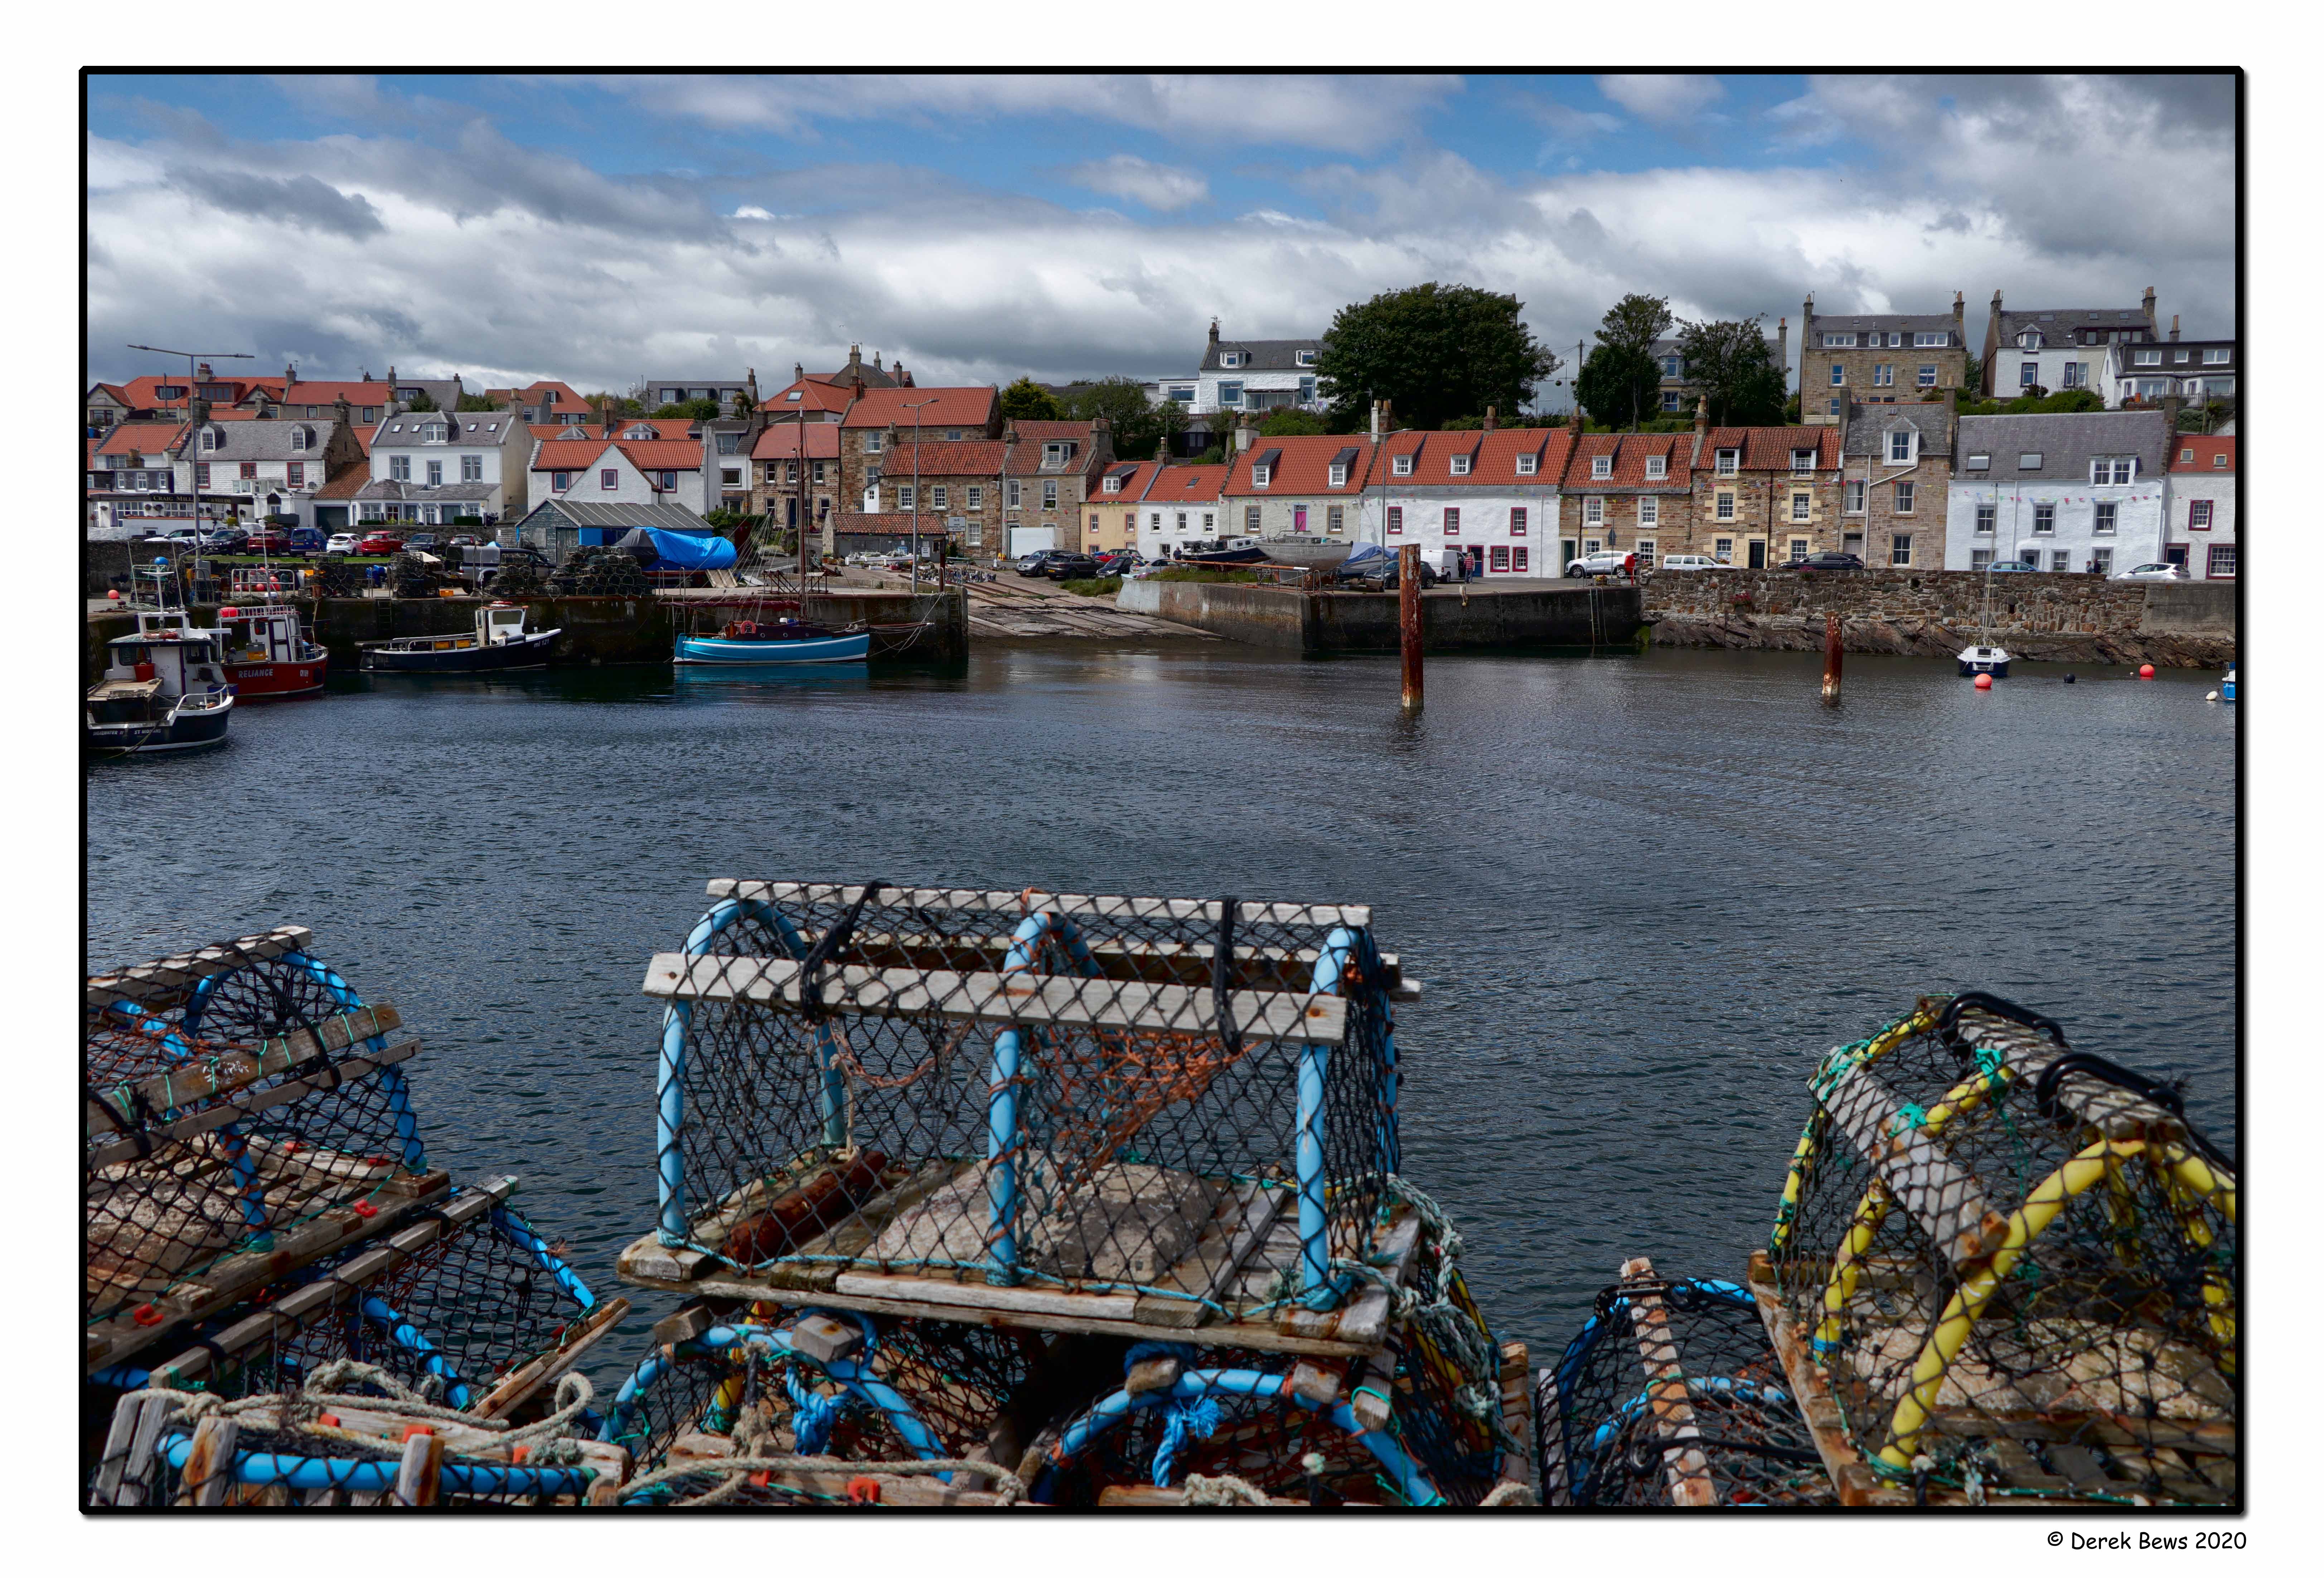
[[2112, 471], [1230, 358], [1940, 337], [1725, 465], [1054, 455], [1262, 474], [2146, 358], [1672, 366], [1657, 468], [1303, 358], [1401, 466], [436, 433], [1900, 446], [1460, 465], [212, 438], [1839, 341], [2031, 340], [1528, 464], [1113, 485], [299, 439], [2179, 359], [1339, 476], [1804, 460], [2218, 358]]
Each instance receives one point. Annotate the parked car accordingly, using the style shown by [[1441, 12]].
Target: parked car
[[1386, 578], [2002, 566], [1694, 561], [2154, 572], [1073, 567], [420, 542], [380, 542], [1827, 560], [1034, 566], [341, 542], [1606, 561], [306, 540], [227, 539], [267, 539]]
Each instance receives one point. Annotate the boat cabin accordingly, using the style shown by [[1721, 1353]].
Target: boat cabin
[[178, 659], [500, 624], [261, 635]]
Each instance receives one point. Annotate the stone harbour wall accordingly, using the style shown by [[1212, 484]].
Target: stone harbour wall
[[1933, 614]]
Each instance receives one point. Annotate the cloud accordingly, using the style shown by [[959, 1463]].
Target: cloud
[[1164, 188], [1663, 98], [300, 200], [1567, 124]]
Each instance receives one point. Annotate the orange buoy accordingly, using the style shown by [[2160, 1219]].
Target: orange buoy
[[113, 595], [1985, 682], [2147, 671]]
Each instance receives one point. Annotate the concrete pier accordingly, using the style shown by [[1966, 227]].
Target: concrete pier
[[1538, 615]]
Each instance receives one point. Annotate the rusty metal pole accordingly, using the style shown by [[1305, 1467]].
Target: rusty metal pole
[[1407, 608], [1831, 659]]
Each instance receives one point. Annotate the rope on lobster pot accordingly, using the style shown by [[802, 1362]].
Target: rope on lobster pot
[[1222, 979], [829, 944]]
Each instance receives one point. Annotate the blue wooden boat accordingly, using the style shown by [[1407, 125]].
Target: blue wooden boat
[[780, 641]]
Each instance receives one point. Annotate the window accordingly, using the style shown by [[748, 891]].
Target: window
[[1262, 474], [248, 471], [2046, 518], [1979, 462], [1500, 559], [371, 414], [2031, 340], [1884, 375], [2061, 561], [2030, 461], [435, 474], [1657, 468], [1306, 392], [1984, 514], [201, 474], [1804, 460], [1839, 374], [2102, 521], [1206, 520], [1129, 522], [559, 481], [1591, 544], [1303, 358], [872, 441], [1904, 498], [1650, 512], [1979, 557], [399, 467], [1528, 464], [472, 468], [1931, 337], [1518, 556], [1601, 465], [209, 438], [1016, 493], [1452, 520], [2199, 514], [1396, 519], [1460, 465], [1231, 395], [2146, 358], [2220, 564], [1593, 512], [1112, 484], [1799, 506], [1231, 358], [2029, 373], [295, 472], [1900, 446], [1899, 549], [975, 496], [1182, 520], [1799, 549], [1054, 455], [1724, 510], [1048, 495], [907, 497], [1184, 394], [1646, 552], [2102, 561], [2219, 358], [1670, 400], [1927, 376], [1671, 367], [298, 436], [940, 498], [1401, 466], [1839, 341], [1726, 462], [2073, 374], [609, 478], [2114, 471], [1854, 504], [1517, 520], [1250, 519], [1335, 518]]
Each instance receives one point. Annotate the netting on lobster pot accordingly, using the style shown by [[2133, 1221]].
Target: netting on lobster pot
[[2013, 1264], [824, 1384], [1672, 1395], [1021, 1089]]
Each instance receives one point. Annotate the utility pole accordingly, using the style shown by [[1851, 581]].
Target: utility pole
[[914, 406], [194, 472]]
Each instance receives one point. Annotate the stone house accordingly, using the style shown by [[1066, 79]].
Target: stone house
[[2080, 491], [1051, 471], [1896, 464], [438, 468], [2058, 348], [947, 415], [1627, 490], [1762, 495], [1489, 492], [776, 485], [1309, 486], [1179, 505], [1877, 358], [2200, 522], [955, 487]]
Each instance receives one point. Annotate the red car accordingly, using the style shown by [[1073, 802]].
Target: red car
[[268, 539], [380, 542]]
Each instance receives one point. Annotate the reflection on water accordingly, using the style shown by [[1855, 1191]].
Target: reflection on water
[[1645, 893]]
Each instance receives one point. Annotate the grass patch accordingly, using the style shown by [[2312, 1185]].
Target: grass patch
[[1102, 586], [1211, 576]]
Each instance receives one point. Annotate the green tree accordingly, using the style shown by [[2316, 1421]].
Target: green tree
[[1027, 402], [1290, 423], [1619, 383], [1138, 424], [1731, 361], [1436, 351], [476, 402], [1216, 455], [1972, 374], [422, 402], [1635, 322]]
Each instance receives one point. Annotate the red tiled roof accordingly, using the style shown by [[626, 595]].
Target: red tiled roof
[[1025, 458], [781, 442], [1492, 457], [1186, 485], [140, 438], [88, 459], [365, 435], [970, 407], [568, 453], [1770, 448], [347, 484], [815, 394], [968, 457], [1629, 453], [893, 520], [323, 393], [2202, 451], [645, 454], [139, 394], [1303, 465], [1135, 476], [115, 390]]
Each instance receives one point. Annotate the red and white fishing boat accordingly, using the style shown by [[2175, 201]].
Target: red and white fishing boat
[[268, 658]]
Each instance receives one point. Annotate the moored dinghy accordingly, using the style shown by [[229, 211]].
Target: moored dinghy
[[1983, 660]]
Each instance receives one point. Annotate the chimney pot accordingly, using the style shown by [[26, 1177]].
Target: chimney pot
[[2174, 325]]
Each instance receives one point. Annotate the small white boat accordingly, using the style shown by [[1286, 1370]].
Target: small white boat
[[1982, 659]]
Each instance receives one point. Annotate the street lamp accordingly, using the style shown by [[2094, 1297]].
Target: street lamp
[[194, 474], [914, 406]]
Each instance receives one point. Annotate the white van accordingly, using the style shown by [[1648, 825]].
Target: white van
[[1693, 561]]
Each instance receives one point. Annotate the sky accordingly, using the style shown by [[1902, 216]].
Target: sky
[[610, 230]]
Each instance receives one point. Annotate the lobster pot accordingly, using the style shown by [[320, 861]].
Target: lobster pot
[[866, 1086], [469, 1309], [836, 1384], [2008, 1267], [1672, 1396]]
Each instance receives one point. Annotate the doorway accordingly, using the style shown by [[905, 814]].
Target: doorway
[[1758, 554]]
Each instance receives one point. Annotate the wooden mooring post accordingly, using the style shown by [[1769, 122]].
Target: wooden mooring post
[[1831, 659], [1407, 608]]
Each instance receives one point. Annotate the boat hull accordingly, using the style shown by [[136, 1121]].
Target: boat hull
[[1307, 553], [277, 681], [187, 729], [1225, 556], [530, 651], [1998, 669], [832, 648]]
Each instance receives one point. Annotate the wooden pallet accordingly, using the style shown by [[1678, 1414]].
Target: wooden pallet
[[2201, 1469]]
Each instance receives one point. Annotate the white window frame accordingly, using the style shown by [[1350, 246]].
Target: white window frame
[[1601, 466], [2104, 516], [873, 441], [1853, 504], [1902, 440], [1722, 507], [1800, 506], [1905, 493], [1260, 475], [1899, 549], [1400, 465], [1460, 465], [1839, 342], [1884, 375], [472, 468], [1593, 512], [1650, 513], [1926, 378], [1924, 338], [976, 496], [1726, 462], [2215, 357], [940, 496], [1804, 467], [2146, 358], [1048, 495], [1303, 358], [2046, 518], [1839, 374], [1657, 468], [1339, 476], [1985, 519], [1528, 464], [1016, 493], [1230, 358]]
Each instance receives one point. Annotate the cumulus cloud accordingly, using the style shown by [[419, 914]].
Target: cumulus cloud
[[1164, 188], [1663, 98], [300, 200]]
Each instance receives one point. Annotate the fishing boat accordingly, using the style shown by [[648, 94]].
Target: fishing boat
[[166, 689], [784, 640], [1222, 550], [499, 645], [268, 658]]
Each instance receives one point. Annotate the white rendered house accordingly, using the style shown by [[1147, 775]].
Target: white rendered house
[[2080, 493]]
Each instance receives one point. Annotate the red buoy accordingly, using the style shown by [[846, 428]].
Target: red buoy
[[1985, 682], [2147, 671]]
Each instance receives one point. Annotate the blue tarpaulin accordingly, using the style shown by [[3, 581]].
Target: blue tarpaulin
[[682, 550]]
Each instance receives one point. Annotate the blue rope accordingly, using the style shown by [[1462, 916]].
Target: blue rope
[[1199, 1418], [813, 1417]]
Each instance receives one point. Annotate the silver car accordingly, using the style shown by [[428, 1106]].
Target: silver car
[[1606, 561], [2154, 572]]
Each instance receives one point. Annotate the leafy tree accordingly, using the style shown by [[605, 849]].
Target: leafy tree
[[1619, 382], [1138, 424], [476, 402], [1731, 361], [1290, 423], [619, 405], [1027, 402], [1635, 322], [1973, 371], [1436, 351], [422, 400], [1216, 455], [1462, 425]]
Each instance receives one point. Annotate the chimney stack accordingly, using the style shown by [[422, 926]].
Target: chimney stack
[[1375, 422], [2148, 303], [202, 370], [1214, 333], [855, 363], [1701, 414], [1162, 451], [339, 411], [1492, 417], [1245, 430], [2170, 418], [798, 371], [1783, 346], [2174, 325], [1958, 310]]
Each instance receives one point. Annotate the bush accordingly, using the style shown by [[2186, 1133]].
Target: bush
[[1102, 586], [1204, 575]]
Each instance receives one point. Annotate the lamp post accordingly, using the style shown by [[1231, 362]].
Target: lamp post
[[194, 476], [914, 406]]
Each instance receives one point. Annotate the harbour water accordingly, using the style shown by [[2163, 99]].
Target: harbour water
[[1645, 893]]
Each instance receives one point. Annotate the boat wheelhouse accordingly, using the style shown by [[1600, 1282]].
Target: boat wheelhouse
[[165, 689]]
